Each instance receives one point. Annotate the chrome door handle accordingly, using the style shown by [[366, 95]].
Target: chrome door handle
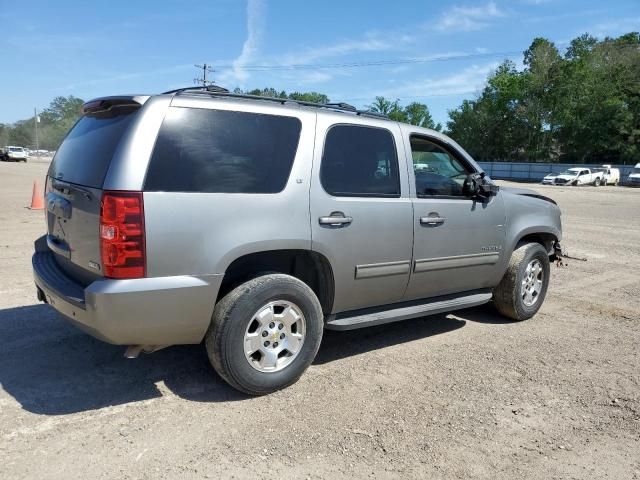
[[335, 219], [432, 220]]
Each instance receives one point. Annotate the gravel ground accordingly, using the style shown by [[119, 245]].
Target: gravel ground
[[466, 395]]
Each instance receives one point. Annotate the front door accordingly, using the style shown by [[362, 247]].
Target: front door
[[361, 212], [458, 241]]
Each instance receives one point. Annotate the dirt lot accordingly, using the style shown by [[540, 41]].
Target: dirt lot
[[457, 396]]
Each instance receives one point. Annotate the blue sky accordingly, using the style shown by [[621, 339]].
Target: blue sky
[[94, 48]]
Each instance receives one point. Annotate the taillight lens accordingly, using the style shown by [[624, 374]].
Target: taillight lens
[[122, 244]]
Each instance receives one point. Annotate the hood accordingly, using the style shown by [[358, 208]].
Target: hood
[[527, 192], [567, 177]]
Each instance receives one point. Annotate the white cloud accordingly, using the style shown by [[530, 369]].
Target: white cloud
[[469, 80], [468, 18], [255, 29], [367, 43], [615, 27], [370, 43]]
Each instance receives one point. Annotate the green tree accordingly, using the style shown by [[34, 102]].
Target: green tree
[[418, 114], [389, 108], [580, 107], [313, 97]]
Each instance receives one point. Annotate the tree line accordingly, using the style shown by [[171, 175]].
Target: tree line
[[580, 106]]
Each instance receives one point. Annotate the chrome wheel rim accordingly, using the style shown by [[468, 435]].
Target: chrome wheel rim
[[274, 336], [532, 283]]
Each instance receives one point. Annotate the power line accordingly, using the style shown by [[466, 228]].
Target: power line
[[372, 63], [411, 97], [385, 62]]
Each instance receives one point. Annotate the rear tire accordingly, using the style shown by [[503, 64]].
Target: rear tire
[[522, 290], [596, 183], [265, 333]]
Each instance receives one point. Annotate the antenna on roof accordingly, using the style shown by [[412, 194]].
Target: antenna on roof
[[205, 69]]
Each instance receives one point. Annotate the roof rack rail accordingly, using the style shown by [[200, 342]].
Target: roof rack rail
[[371, 113], [341, 106], [215, 90], [208, 88]]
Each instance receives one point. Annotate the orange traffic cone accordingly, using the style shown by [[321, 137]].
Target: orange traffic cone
[[37, 197]]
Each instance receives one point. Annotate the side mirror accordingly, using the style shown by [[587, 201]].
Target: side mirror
[[477, 186], [470, 185]]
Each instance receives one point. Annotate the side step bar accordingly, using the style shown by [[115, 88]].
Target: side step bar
[[370, 317]]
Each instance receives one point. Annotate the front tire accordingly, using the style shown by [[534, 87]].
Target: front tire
[[522, 290], [265, 333]]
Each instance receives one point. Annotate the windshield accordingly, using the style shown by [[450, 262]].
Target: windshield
[[16, 149], [635, 170], [570, 172], [85, 154]]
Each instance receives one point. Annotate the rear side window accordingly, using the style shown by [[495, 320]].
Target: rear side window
[[86, 152], [360, 162], [200, 150]]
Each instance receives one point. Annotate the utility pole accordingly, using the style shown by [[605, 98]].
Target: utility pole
[[205, 69], [35, 123]]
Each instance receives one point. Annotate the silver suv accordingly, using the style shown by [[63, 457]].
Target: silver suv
[[255, 223]]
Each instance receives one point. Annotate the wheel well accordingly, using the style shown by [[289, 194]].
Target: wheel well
[[310, 267], [545, 239]]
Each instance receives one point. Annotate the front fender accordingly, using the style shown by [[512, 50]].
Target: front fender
[[529, 216]]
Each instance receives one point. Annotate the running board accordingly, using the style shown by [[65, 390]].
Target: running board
[[369, 318]]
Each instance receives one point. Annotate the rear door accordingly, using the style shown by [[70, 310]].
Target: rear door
[[361, 212], [458, 241], [74, 189]]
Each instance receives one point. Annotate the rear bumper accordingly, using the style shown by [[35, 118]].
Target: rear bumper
[[146, 311]]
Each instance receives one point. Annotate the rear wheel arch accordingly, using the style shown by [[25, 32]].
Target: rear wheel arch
[[311, 267]]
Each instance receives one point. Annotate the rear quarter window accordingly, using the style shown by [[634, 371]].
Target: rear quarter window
[[218, 151], [86, 152]]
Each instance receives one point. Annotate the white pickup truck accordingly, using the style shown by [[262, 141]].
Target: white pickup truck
[[580, 176]]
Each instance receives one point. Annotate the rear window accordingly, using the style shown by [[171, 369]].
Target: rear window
[[86, 152], [214, 151]]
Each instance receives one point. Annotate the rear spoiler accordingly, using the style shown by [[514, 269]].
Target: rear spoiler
[[107, 103]]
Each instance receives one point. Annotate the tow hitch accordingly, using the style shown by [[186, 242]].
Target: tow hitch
[[559, 255]]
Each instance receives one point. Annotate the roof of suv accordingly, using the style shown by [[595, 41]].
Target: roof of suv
[[216, 93], [219, 92]]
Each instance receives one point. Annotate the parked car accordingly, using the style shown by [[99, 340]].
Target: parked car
[[579, 176], [549, 179], [634, 177], [254, 224], [610, 175], [14, 154]]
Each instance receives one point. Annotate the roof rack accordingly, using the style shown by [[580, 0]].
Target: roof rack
[[215, 90]]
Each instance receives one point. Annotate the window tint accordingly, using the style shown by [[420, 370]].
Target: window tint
[[437, 172], [201, 150], [85, 154], [360, 161]]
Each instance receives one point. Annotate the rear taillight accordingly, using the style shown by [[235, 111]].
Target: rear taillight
[[122, 244]]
